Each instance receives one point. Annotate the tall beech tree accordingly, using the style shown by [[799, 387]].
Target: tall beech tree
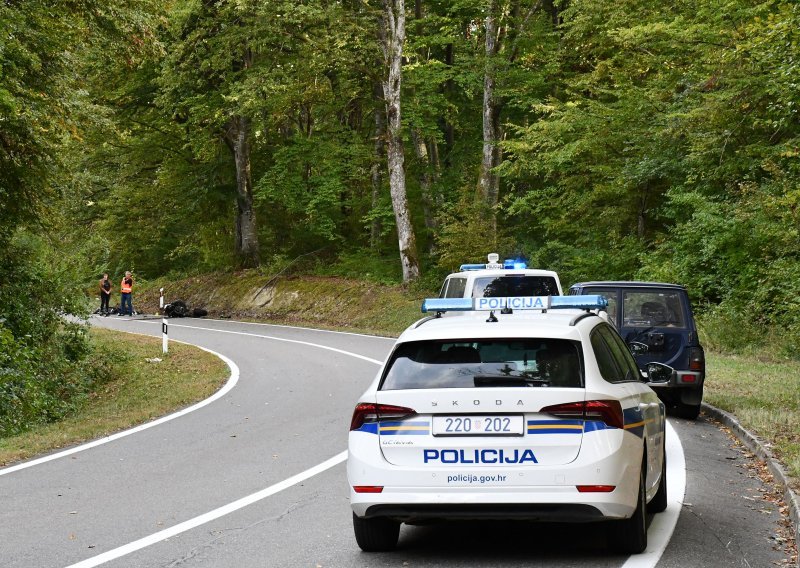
[[392, 30], [215, 48]]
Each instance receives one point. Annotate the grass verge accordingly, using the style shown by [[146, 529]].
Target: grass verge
[[135, 392], [765, 398]]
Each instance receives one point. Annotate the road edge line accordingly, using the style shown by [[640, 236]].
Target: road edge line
[[225, 389]]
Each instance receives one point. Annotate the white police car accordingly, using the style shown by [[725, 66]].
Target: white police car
[[512, 277], [539, 414]]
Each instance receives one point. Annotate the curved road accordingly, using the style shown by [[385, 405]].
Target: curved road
[[257, 478]]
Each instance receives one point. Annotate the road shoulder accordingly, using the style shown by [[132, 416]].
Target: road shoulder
[[760, 449]]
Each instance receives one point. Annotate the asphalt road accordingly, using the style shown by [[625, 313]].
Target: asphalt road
[[257, 478]]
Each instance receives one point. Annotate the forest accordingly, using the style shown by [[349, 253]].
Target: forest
[[603, 140]]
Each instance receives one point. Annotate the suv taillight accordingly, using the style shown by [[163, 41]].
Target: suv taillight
[[697, 359], [607, 411], [370, 412]]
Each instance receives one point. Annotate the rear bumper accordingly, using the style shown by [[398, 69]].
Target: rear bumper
[[535, 492], [488, 511], [686, 387]]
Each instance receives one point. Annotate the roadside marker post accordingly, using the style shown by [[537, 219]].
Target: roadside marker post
[[161, 299], [164, 335]]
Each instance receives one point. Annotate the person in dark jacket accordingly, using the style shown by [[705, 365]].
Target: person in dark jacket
[[105, 294]]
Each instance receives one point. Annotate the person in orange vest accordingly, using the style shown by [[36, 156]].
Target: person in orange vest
[[126, 291], [105, 294]]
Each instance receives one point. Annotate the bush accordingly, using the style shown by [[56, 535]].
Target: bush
[[47, 363], [727, 329]]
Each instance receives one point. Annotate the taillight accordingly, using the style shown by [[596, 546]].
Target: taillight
[[370, 412], [595, 488], [570, 410], [607, 411], [697, 359], [368, 488]]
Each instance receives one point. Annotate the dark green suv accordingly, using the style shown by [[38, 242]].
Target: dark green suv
[[656, 321]]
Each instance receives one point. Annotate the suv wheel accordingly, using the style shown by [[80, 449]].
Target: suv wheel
[[688, 411], [376, 535]]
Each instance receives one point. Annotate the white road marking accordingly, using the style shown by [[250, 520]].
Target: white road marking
[[225, 509], [210, 516], [273, 338], [300, 328], [663, 524], [232, 380]]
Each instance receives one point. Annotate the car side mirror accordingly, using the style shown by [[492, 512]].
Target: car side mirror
[[638, 348], [659, 373]]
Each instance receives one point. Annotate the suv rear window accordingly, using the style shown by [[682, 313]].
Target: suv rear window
[[485, 363], [652, 308], [514, 285]]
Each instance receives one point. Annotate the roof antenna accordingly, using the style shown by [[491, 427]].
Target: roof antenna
[[492, 317]]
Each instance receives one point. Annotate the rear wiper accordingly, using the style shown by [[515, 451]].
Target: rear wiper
[[507, 381]]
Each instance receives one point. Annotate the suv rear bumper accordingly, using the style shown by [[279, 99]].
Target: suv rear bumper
[[681, 379], [686, 387]]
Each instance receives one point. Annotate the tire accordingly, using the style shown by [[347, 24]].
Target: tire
[[630, 535], [376, 535], [687, 411], [659, 502]]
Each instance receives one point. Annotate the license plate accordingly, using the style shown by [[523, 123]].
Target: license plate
[[476, 425]]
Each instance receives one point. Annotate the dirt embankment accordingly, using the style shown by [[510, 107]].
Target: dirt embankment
[[304, 300]]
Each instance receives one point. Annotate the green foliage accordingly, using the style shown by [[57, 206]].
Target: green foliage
[[46, 362], [463, 236], [637, 142], [362, 264]]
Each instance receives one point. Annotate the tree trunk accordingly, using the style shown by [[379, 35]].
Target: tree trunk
[[488, 182], [237, 137], [642, 217], [449, 129], [378, 155], [393, 34], [425, 177]]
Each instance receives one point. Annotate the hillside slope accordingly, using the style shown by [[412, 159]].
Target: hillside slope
[[317, 301]]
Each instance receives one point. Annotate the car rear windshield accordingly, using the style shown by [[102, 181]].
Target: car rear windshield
[[514, 285], [653, 308], [484, 363]]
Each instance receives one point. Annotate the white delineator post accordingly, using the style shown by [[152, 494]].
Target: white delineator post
[[164, 338], [161, 299]]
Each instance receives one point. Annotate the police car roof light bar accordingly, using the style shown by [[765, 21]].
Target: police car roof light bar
[[464, 267], [447, 305], [589, 302], [508, 264]]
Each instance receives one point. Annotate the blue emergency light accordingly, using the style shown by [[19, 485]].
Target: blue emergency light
[[514, 264], [591, 302], [508, 264]]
